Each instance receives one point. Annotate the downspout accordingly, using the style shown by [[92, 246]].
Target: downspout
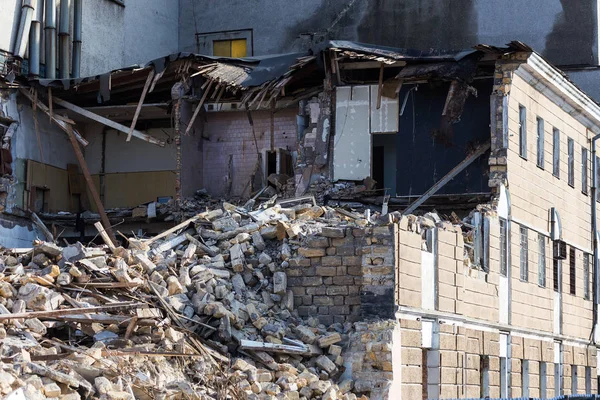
[[594, 238], [27, 10], [50, 32], [63, 37], [34, 48], [77, 17]]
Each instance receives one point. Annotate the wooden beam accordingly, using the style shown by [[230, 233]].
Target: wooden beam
[[369, 65], [380, 87], [139, 106], [105, 237], [90, 184], [58, 120], [172, 230], [273, 347], [38, 222], [197, 110], [73, 311], [447, 178], [107, 122]]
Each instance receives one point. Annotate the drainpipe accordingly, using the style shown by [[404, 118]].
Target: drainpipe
[[595, 236], [50, 32], [34, 48], [77, 11], [63, 38], [27, 11]]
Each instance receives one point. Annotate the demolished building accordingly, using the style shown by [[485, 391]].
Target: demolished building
[[496, 141]]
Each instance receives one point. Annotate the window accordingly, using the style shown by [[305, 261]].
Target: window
[[571, 161], [586, 276], [588, 380], [503, 247], [558, 389], [524, 256], [572, 265], [556, 267], [525, 378], [597, 172], [556, 153], [541, 260], [235, 48], [543, 380], [503, 377], [584, 170], [484, 376], [522, 131], [540, 143], [573, 379]]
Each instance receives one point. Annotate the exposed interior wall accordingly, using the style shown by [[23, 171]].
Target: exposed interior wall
[[229, 150], [192, 153], [17, 232], [134, 172]]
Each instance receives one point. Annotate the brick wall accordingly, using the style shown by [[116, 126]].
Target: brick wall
[[344, 274], [228, 135]]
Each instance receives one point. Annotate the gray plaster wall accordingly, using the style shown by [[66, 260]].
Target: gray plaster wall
[[565, 31], [113, 35]]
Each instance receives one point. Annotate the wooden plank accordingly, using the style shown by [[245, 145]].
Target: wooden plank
[[57, 119], [73, 311], [91, 186], [272, 347], [197, 110], [172, 230], [38, 222], [141, 102], [105, 237], [380, 87], [368, 65], [108, 122], [447, 178]]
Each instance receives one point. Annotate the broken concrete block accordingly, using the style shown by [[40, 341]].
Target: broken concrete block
[[174, 286], [40, 298], [333, 232], [64, 279], [269, 232], [279, 283], [257, 241], [264, 259], [51, 390], [239, 286], [225, 224], [237, 258], [145, 262], [328, 340], [305, 334], [49, 249]]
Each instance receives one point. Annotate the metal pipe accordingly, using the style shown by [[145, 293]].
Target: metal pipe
[[595, 237], [39, 16], [77, 17], [50, 33], [34, 48], [27, 11], [63, 37]]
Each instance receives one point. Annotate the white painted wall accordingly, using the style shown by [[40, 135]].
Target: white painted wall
[[134, 156], [17, 234]]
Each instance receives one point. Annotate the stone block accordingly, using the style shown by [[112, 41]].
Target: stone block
[[337, 290], [333, 232], [322, 301], [326, 271], [331, 261], [311, 252], [312, 281]]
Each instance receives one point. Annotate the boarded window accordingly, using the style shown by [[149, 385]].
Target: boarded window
[[524, 244], [556, 274], [522, 131], [230, 48], [541, 260], [571, 161], [503, 247], [540, 143], [556, 153], [584, 170], [572, 270]]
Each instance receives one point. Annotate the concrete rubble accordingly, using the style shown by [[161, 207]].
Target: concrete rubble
[[196, 313]]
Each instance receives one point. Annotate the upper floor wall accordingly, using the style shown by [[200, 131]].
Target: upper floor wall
[[563, 31], [115, 33]]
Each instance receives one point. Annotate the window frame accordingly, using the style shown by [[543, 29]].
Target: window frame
[[540, 142], [570, 162], [556, 152], [556, 278], [524, 253], [522, 131], [541, 260], [503, 226], [572, 271], [586, 276], [584, 170]]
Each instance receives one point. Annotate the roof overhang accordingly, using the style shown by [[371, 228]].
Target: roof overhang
[[551, 82]]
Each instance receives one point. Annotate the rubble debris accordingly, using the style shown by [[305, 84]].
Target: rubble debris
[[201, 311]]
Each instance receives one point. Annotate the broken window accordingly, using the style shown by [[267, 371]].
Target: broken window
[[586, 276], [524, 256], [540, 143], [503, 247], [480, 237], [235, 48], [572, 267], [571, 161], [584, 170], [522, 131], [556, 153], [541, 260]]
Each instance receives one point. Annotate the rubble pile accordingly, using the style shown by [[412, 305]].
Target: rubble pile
[[202, 310]]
